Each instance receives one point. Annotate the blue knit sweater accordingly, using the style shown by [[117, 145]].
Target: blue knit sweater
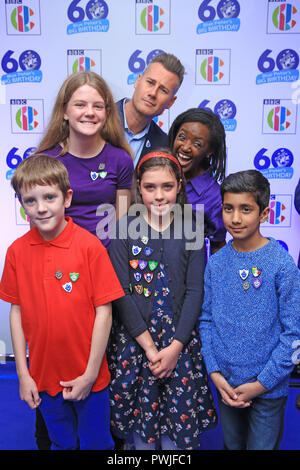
[[248, 332]]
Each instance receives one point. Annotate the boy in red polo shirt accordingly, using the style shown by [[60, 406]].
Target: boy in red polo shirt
[[60, 282]]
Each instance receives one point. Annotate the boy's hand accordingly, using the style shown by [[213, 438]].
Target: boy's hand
[[77, 389], [229, 395], [249, 390], [29, 392]]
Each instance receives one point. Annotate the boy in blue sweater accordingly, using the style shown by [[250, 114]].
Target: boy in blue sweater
[[250, 320]]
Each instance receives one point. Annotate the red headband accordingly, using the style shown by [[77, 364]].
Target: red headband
[[160, 155]]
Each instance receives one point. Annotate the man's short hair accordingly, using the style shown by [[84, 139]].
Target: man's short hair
[[249, 181], [170, 63], [42, 170]]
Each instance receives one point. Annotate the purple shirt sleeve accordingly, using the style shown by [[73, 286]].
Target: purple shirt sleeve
[[205, 190]]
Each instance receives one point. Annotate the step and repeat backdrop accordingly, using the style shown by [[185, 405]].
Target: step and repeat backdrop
[[241, 59]]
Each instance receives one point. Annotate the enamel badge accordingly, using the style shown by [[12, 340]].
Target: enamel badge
[[246, 285], [147, 292], [139, 288], [244, 273], [134, 263], [148, 277], [153, 265], [103, 174], [74, 276], [255, 272], [257, 282], [136, 250], [93, 175], [58, 274], [145, 240], [137, 276], [142, 264], [148, 251], [67, 287]]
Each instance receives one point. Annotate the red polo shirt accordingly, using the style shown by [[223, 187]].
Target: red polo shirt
[[58, 313]]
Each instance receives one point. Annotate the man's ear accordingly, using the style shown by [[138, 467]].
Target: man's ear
[[137, 80]]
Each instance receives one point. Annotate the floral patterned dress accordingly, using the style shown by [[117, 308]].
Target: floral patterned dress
[[180, 406]]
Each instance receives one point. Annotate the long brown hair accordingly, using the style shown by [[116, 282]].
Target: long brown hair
[[58, 128]]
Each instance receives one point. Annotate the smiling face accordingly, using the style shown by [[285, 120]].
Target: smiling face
[[154, 90], [242, 219], [45, 206], [159, 188], [86, 113], [191, 146]]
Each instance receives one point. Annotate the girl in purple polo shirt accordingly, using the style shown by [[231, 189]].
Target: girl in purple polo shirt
[[86, 135], [197, 138]]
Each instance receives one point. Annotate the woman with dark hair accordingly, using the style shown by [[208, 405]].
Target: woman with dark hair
[[197, 138]]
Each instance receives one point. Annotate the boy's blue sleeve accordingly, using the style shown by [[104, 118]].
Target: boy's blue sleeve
[[206, 324], [280, 365]]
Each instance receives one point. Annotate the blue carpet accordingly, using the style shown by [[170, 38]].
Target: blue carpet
[[17, 421]]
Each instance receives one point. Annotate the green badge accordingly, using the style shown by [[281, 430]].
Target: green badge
[[102, 174], [74, 276], [152, 265]]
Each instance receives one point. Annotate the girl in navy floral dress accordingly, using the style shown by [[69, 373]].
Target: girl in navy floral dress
[[159, 388]]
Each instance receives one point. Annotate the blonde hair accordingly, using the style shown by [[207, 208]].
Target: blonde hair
[[42, 170], [58, 129]]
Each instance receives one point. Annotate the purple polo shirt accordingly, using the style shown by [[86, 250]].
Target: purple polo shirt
[[205, 190], [95, 181]]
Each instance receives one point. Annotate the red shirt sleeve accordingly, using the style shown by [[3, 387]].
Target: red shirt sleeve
[[8, 285]]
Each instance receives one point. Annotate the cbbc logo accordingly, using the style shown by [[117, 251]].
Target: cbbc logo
[[83, 63], [84, 59], [226, 110], [27, 116], [152, 17], [213, 66], [29, 62], [228, 16], [88, 19], [137, 64], [286, 63], [279, 116], [283, 17], [23, 18], [280, 210], [211, 69]]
